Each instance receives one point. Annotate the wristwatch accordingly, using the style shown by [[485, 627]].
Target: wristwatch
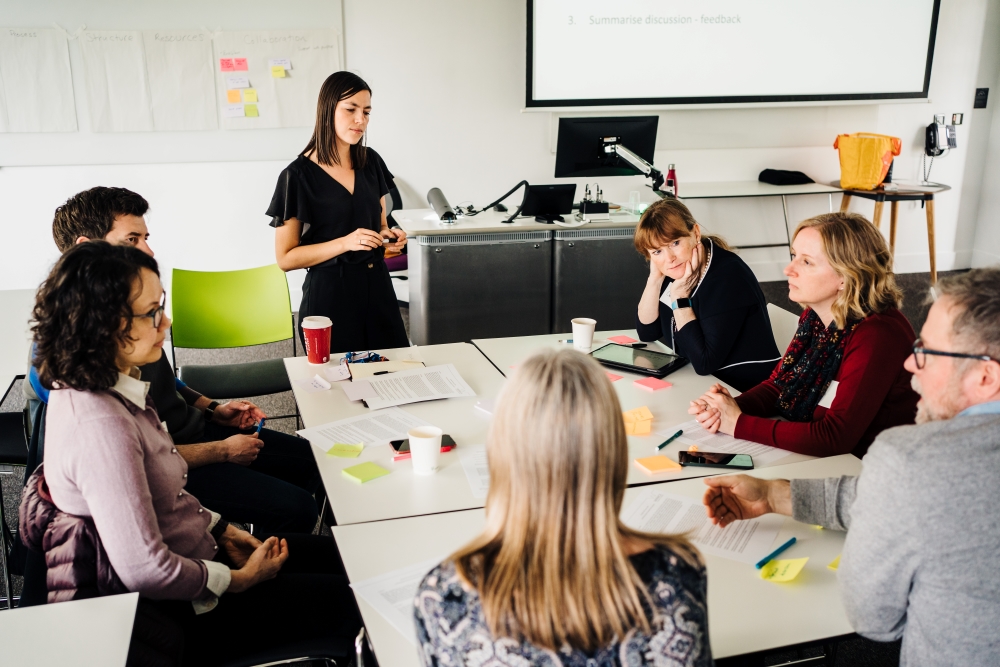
[[210, 410], [681, 303]]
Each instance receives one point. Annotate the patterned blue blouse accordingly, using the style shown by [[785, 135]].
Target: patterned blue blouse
[[452, 630]]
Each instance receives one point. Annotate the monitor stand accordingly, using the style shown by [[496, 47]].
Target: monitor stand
[[549, 219]]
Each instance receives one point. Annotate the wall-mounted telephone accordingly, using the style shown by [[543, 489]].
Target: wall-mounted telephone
[[939, 137]]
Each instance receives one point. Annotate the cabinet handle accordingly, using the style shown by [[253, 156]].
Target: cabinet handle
[[437, 249], [570, 245], [537, 246]]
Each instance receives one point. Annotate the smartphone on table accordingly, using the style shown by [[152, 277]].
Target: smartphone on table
[[402, 447], [714, 460]]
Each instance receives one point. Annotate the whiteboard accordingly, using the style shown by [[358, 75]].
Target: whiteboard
[[141, 146]]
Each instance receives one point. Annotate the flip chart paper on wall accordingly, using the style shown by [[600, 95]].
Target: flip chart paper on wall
[[288, 102], [117, 85], [37, 82], [181, 82]]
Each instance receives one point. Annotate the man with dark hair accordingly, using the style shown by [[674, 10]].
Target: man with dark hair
[[923, 548], [229, 469], [112, 214]]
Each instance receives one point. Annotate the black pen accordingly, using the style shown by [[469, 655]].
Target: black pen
[[637, 345], [381, 373], [669, 440]]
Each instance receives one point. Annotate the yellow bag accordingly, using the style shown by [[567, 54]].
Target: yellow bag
[[865, 159]]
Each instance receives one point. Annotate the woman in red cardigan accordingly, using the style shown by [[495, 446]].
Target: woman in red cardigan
[[841, 381]]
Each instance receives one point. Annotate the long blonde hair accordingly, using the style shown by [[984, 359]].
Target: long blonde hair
[[550, 566], [858, 253]]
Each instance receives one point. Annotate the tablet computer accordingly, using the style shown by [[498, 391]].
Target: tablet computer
[[638, 360]]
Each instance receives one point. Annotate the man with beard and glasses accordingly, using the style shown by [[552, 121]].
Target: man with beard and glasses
[[922, 554]]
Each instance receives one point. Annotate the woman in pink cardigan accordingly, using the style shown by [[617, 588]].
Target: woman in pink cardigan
[[109, 458]]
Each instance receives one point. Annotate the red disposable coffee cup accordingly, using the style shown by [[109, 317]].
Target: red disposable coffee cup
[[316, 330]]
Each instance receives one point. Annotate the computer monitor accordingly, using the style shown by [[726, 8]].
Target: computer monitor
[[549, 203], [580, 148]]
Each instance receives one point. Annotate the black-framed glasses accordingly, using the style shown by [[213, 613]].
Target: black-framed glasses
[[157, 313], [920, 354]]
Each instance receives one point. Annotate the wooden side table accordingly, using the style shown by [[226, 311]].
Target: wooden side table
[[904, 193]]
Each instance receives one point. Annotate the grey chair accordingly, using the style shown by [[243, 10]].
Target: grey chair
[[13, 453]]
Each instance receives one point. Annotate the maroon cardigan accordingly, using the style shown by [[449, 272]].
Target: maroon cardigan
[[874, 394]]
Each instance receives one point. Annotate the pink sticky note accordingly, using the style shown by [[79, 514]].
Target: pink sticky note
[[226, 65], [652, 384], [613, 377], [623, 340], [239, 65]]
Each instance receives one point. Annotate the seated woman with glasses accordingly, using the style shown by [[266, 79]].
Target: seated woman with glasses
[[109, 459], [841, 381], [556, 578]]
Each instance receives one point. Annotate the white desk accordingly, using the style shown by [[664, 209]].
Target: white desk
[[669, 406], [15, 337], [401, 493], [83, 633], [745, 613]]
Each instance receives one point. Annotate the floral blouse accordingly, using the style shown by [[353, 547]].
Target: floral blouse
[[452, 630]]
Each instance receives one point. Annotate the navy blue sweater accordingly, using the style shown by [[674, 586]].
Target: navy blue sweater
[[731, 337]]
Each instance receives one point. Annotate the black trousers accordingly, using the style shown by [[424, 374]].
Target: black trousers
[[361, 302], [275, 492], [309, 601]]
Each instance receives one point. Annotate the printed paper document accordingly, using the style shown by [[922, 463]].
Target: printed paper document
[[477, 471], [374, 428], [745, 541], [694, 434], [392, 593], [418, 384]]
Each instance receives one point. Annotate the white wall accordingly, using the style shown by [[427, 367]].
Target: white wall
[[448, 80], [986, 250]]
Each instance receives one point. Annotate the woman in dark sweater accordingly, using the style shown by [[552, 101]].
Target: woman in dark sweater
[[702, 299], [841, 381]]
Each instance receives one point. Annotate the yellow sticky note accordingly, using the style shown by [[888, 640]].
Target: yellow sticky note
[[233, 96], [835, 563], [658, 463], [364, 472], [345, 451], [643, 427], [783, 570], [277, 71], [250, 95], [250, 110]]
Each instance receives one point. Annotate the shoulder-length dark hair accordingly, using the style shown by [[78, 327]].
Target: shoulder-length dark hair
[[338, 86], [83, 314]]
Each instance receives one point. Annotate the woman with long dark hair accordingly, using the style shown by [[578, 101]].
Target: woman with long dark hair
[[328, 212]]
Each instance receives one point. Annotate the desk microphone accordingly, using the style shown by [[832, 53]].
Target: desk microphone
[[441, 206]]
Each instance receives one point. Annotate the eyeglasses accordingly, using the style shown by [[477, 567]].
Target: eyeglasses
[[157, 313], [920, 354]]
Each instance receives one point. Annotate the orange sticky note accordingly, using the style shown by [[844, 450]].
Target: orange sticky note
[[226, 65], [658, 463], [643, 427], [637, 415], [652, 384], [233, 96], [239, 64], [623, 340], [613, 377]]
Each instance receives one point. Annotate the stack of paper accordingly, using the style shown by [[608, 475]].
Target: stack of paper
[[410, 386], [638, 421], [374, 428]]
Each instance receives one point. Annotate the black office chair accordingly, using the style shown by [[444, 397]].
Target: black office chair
[[13, 452]]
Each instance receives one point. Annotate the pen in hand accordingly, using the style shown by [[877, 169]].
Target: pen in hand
[[260, 425]]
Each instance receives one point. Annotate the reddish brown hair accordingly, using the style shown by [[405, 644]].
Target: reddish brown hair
[[665, 221]]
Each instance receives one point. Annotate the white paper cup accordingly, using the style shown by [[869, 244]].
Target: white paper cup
[[425, 449], [583, 332]]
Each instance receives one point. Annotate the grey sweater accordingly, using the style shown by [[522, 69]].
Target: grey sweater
[[922, 557]]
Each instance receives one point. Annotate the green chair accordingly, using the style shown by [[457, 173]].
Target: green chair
[[222, 309]]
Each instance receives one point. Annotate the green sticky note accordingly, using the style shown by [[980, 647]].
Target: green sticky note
[[364, 472], [835, 563], [346, 451], [783, 570], [250, 110]]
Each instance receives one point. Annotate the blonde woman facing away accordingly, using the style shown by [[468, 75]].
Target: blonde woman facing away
[[556, 578]]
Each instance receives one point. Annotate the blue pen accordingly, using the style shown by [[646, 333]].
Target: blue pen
[[771, 556], [260, 425]]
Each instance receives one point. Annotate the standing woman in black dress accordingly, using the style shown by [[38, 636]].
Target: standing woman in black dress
[[328, 212]]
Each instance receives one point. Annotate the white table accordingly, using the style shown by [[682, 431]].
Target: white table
[[83, 633], [669, 406], [15, 337], [746, 614], [401, 493]]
